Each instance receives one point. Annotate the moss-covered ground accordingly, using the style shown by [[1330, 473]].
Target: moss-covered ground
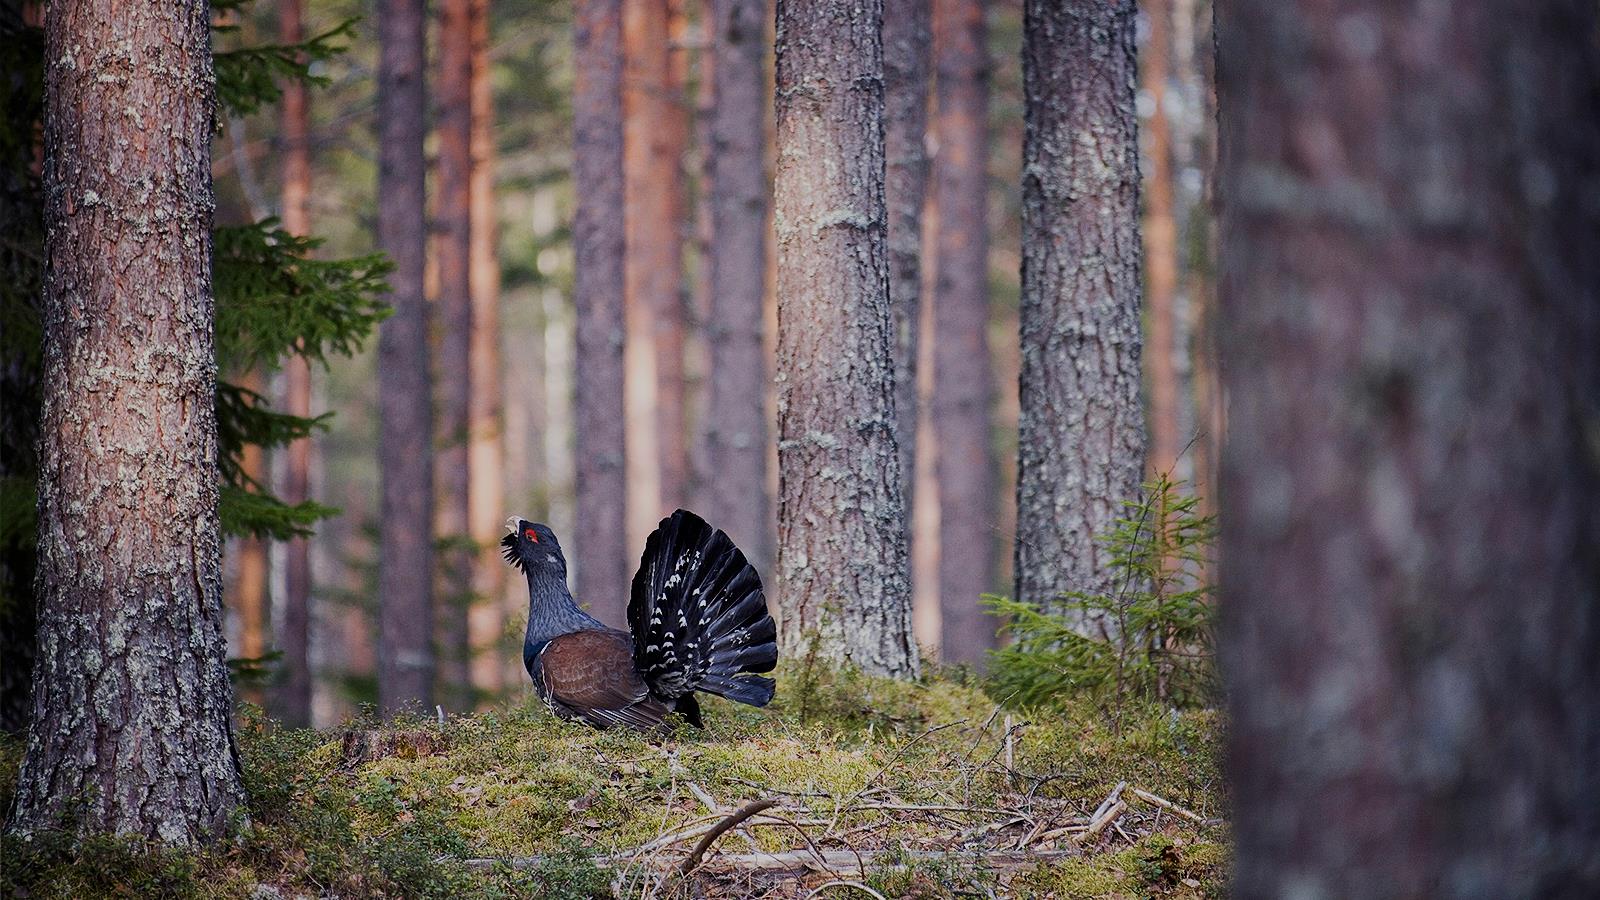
[[918, 781]]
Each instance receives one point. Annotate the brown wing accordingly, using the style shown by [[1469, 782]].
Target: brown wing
[[590, 675]]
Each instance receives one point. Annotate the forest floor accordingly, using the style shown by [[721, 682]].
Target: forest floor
[[853, 786]]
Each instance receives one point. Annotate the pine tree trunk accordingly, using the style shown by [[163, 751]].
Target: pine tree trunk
[[405, 457], [655, 128], [735, 423], [963, 377], [907, 55], [1411, 297], [601, 556], [486, 448], [453, 250], [131, 731], [842, 550], [1160, 248], [248, 596], [293, 697], [1080, 427]]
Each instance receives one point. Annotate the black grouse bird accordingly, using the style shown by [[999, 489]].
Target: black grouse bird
[[699, 621]]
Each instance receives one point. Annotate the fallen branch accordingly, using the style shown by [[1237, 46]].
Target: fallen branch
[[1108, 802], [697, 828], [721, 828], [1109, 810], [1169, 806], [824, 860]]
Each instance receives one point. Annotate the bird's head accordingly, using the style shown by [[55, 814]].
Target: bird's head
[[533, 548]]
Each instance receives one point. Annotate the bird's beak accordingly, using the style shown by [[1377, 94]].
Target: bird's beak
[[511, 524]]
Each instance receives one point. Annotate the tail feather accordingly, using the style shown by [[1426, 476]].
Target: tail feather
[[751, 689], [699, 617]]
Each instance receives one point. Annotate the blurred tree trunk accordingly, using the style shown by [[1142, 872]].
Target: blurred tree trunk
[[907, 43], [842, 550], [405, 454], [131, 731], [735, 420], [485, 448], [598, 291], [697, 338], [1080, 428], [1160, 247], [963, 378], [1194, 149], [249, 597], [453, 327], [1412, 567], [293, 697], [655, 127]]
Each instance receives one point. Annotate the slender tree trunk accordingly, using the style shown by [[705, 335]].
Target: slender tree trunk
[[1211, 423], [598, 290], [1080, 428], [842, 550], [735, 427], [131, 731], [907, 55], [405, 557], [655, 128], [453, 251], [250, 600], [1412, 561], [963, 377], [485, 449], [1161, 247], [697, 352], [293, 698]]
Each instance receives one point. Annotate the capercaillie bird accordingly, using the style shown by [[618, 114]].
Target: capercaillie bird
[[698, 618]]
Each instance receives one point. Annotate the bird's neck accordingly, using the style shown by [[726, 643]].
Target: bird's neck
[[551, 610]]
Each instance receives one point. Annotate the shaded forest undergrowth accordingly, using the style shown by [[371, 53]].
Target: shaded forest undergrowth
[[927, 789]]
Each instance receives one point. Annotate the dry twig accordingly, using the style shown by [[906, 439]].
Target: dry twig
[[844, 882], [1169, 806], [744, 812]]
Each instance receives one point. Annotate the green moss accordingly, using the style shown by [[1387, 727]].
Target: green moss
[[1074, 879], [515, 782], [1176, 755], [1158, 865], [10, 766]]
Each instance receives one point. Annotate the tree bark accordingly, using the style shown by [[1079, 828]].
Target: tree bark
[[453, 326], [1412, 547], [963, 377], [1161, 247], [735, 422], [293, 697], [485, 449], [1080, 426], [907, 62], [842, 551], [598, 291], [131, 731], [405, 556], [655, 127]]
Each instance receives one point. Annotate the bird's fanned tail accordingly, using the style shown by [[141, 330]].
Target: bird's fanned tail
[[699, 617]]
